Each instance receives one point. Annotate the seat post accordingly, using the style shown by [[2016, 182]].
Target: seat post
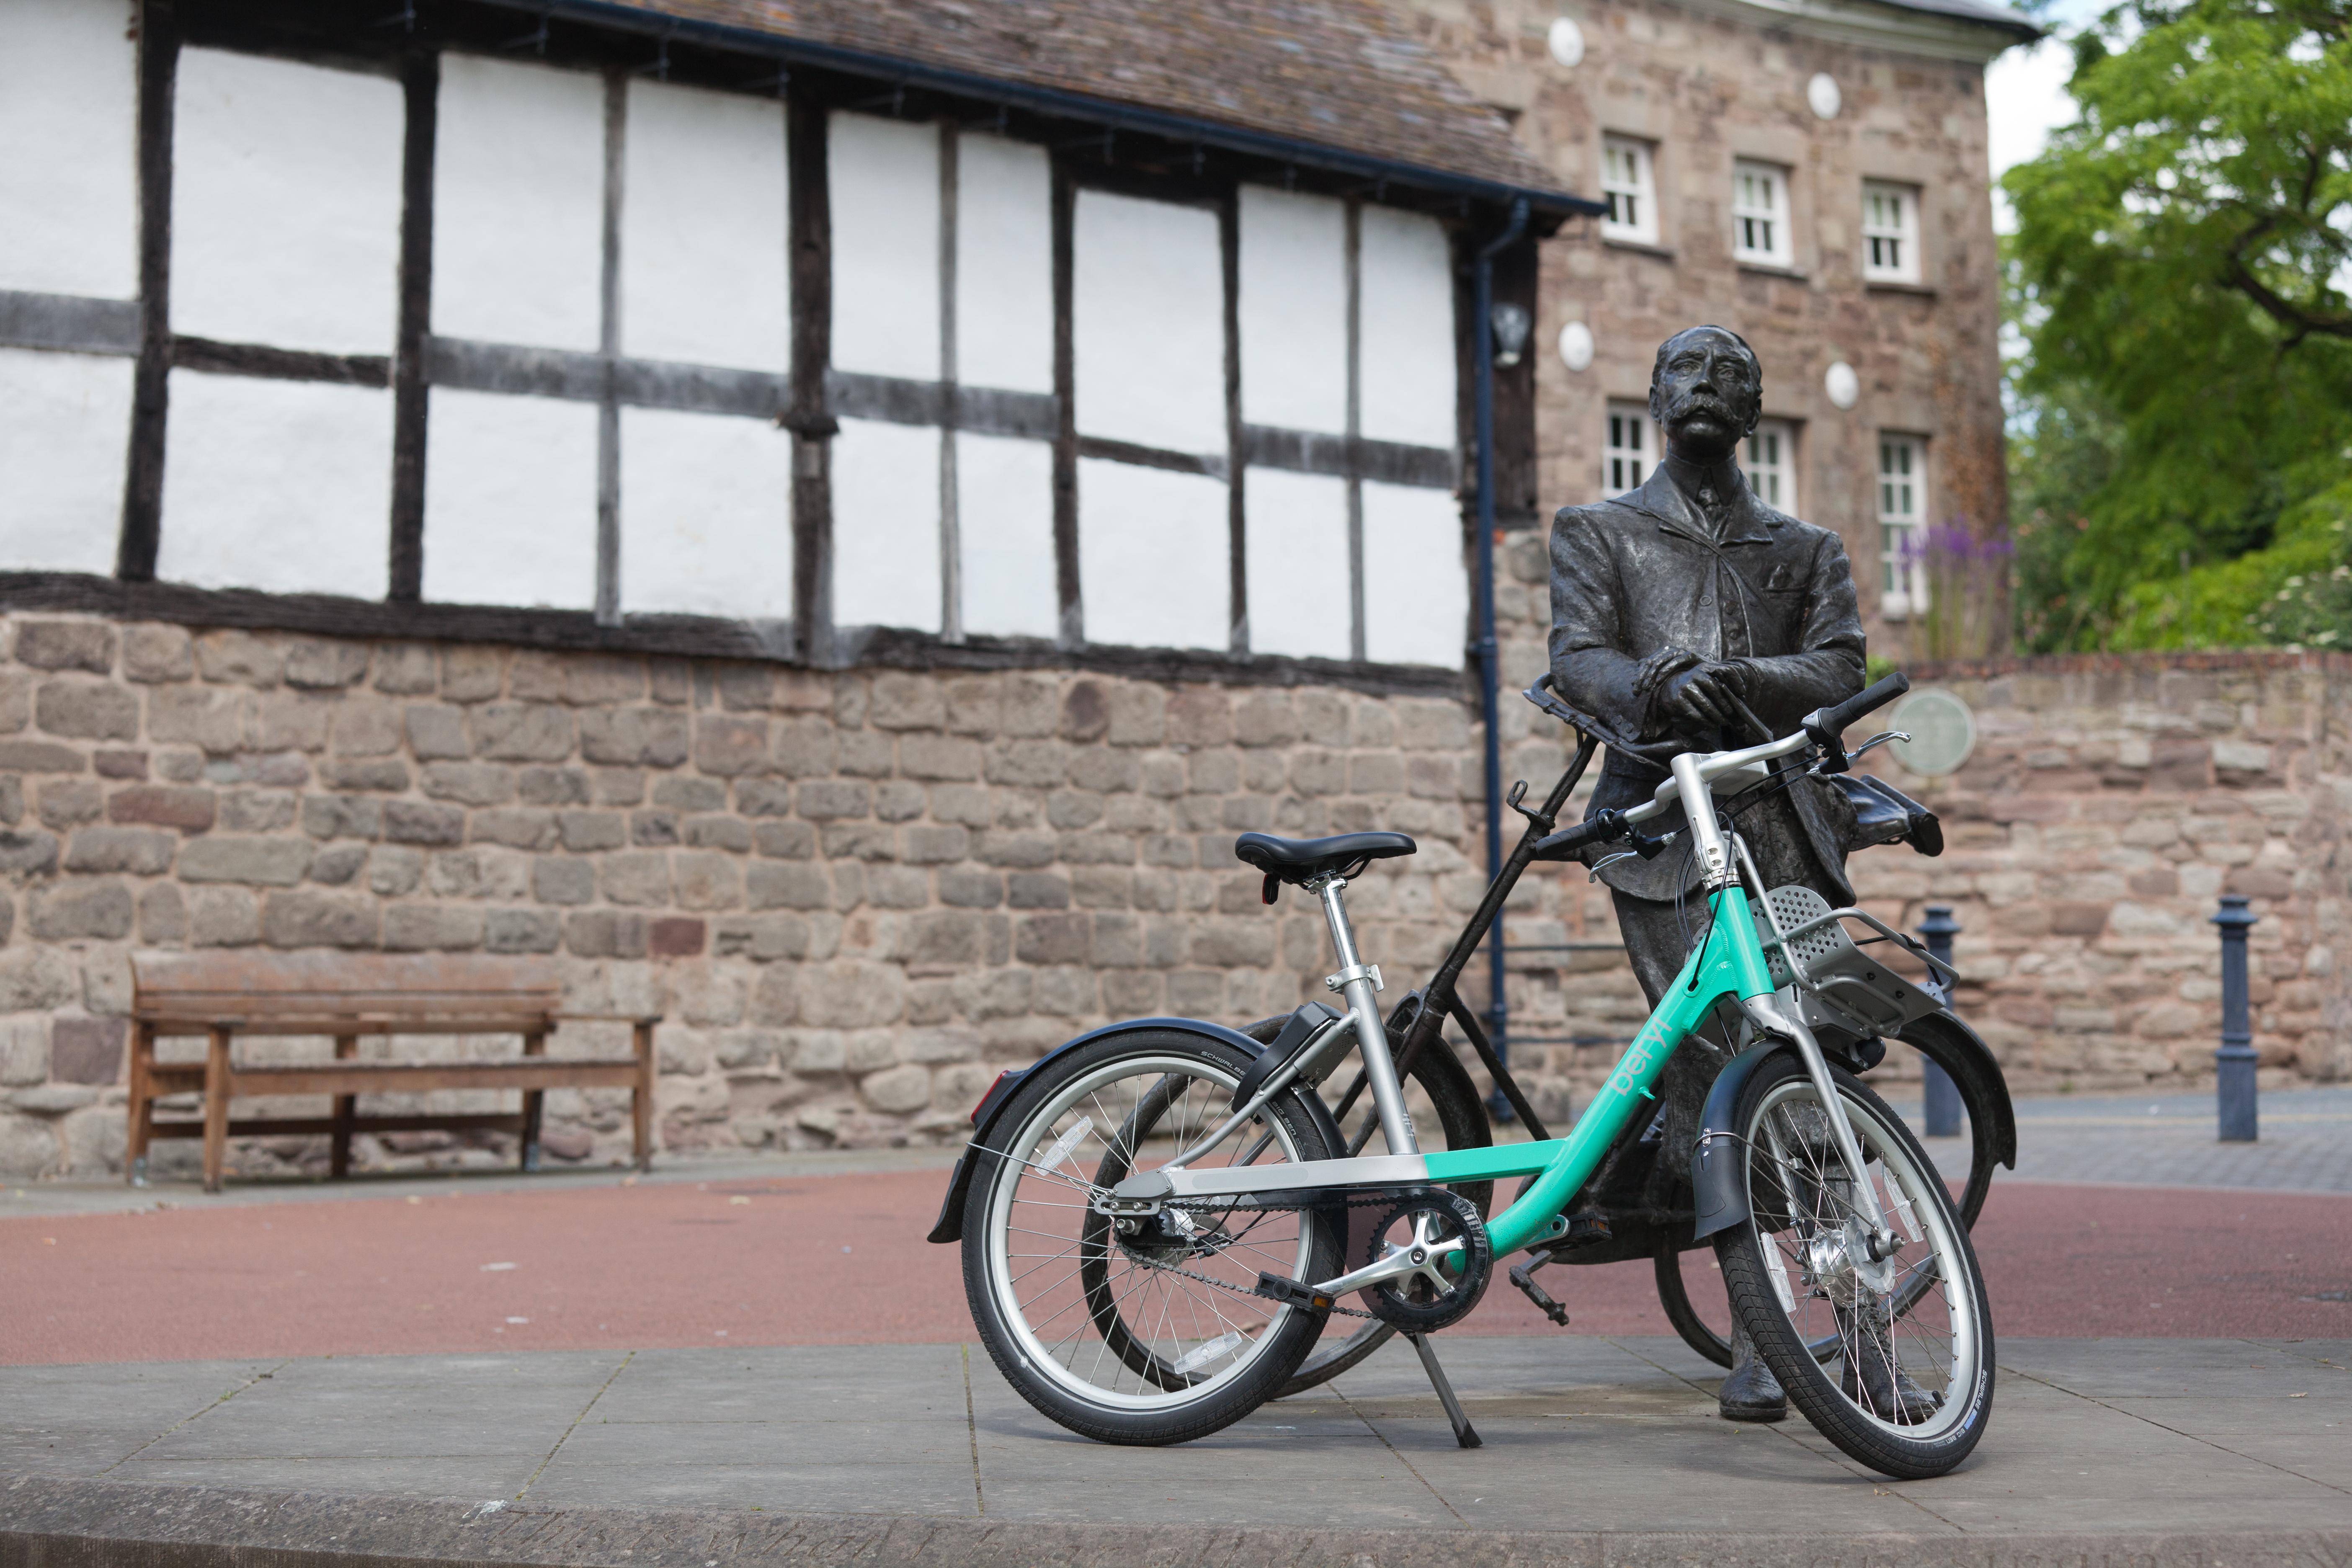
[[1355, 982]]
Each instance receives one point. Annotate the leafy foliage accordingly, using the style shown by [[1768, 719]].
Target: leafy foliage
[[2182, 271]]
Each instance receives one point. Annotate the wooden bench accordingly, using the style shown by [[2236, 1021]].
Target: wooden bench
[[218, 996]]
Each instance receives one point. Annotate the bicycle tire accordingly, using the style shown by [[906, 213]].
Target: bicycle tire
[[1797, 1262], [1694, 1329]]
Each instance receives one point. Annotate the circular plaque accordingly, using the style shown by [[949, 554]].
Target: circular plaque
[[1566, 41], [1942, 729], [1576, 345]]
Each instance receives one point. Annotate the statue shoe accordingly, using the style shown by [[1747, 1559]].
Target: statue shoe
[[1872, 1376], [1751, 1392]]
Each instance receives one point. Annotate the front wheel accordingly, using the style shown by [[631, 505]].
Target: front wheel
[[1141, 1330], [1905, 1392]]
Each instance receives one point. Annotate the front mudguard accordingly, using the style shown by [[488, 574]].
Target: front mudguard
[[1719, 1189], [949, 1227]]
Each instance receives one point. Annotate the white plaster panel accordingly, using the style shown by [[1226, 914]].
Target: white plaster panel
[[1149, 315], [1407, 273], [885, 200], [285, 204], [69, 148], [705, 276], [1004, 264], [886, 526], [1416, 589], [706, 515], [1297, 559], [1294, 310], [519, 204], [285, 486], [1154, 553], [509, 500], [1005, 524], [64, 426]]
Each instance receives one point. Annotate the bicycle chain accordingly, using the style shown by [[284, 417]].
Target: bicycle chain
[[1351, 1201]]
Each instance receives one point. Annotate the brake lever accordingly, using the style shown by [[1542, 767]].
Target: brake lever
[[1878, 740]]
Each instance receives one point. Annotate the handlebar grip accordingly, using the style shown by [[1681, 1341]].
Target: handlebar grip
[[1830, 723], [1564, 844]]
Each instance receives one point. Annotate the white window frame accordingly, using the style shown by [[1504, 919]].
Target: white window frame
[[1901, 508], [1761, 227], [1629, 183], [1630, 448], [1890, 232], [1769, 458]]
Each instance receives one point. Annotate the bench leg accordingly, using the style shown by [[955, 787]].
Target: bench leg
[[216, 1107], [142, 1102], [641, 1098], [532, 1098], [340, 1158]]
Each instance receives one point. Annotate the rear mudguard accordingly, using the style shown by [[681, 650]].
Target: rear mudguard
[[949, 1227], [1718, 1191]]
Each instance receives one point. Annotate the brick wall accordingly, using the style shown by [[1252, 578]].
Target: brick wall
[[855, 896]]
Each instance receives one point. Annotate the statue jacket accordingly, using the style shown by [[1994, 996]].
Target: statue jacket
[[1640, 584]]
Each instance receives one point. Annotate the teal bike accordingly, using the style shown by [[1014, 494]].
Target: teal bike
[[1160, 1218]]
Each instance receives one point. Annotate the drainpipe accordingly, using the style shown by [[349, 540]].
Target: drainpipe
[[1489, 654]]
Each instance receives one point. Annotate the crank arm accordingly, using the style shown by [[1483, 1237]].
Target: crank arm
[[1396, 1265]]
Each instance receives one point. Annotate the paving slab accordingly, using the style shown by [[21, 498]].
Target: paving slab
[[1596, 1449]]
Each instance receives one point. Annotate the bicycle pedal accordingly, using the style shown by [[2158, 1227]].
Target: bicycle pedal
[[1290, 1291], [1586, 1230], [1524, 1277]]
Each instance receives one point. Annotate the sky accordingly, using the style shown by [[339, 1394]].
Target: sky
[[2025, 97]]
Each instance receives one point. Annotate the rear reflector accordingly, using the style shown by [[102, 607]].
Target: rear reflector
[[981, 1103]]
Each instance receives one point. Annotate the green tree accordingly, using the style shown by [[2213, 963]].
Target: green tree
[[2182, 276]]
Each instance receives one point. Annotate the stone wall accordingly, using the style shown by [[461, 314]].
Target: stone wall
[[2110, 801], [854, 896], [857, 895]]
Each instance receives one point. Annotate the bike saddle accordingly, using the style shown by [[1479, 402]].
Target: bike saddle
[[1304, 860]]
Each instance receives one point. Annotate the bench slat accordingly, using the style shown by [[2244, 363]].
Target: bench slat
[[181, 1024], [263, 984], [292, 1126], [371, 1077]]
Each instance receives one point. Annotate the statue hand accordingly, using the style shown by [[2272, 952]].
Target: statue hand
[[1696, 700]]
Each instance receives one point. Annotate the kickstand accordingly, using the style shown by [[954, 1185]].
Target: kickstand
[[1464, 1433]]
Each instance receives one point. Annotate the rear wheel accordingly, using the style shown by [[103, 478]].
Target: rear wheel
[[1906, 1393], [1140, 1330]]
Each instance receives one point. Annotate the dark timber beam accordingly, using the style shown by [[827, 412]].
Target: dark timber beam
[[811, 423], [1065, 432], [1229, 261], [69, 322], [690, 636], [142, 487], [420, 82]]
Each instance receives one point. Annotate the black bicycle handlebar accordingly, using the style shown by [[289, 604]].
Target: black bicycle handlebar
[[1828, 726]]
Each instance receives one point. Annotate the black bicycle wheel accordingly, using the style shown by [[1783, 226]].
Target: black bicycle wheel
[[1674, 1294]]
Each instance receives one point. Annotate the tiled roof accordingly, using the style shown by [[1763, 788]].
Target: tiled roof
[[1340, 76]]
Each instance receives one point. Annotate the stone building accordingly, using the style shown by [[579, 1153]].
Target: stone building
[[829, 531]]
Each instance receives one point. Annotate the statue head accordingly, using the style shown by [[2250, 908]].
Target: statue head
[[1707, 391]]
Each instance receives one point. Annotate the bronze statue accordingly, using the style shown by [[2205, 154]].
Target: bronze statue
[[1675, 607]]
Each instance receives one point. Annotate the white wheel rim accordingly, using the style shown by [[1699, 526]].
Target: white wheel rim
[[1072, 1333]]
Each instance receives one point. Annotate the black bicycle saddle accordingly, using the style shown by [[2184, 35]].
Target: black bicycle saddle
[[1304, 859]]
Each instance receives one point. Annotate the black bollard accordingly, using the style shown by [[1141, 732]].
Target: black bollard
[[1942, 1096], [2233, 1064]]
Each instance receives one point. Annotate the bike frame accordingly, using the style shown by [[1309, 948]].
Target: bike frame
[[1727, 965]]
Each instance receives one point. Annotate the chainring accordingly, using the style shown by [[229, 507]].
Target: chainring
[[1448, 1224]]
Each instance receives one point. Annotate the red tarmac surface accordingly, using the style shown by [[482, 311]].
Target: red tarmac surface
[[841, 1260]]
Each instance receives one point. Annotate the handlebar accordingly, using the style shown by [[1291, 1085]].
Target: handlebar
[[1824, 728], [1828, 726]]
